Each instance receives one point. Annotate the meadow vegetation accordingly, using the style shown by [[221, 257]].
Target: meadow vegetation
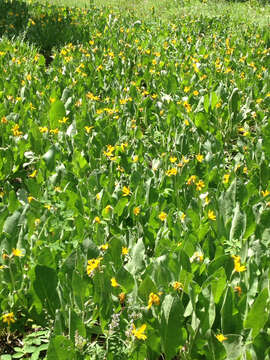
[[134, 181]]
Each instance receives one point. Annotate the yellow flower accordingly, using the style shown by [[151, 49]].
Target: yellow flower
[[171, 172], [125, 250], [199, 158], [98, 196], [122, 297], [135, 158], [265, 193], [182, 217], [196, 92], [17, 252], [199, 185], [238, 267], [93, 264], [114, 283], [34, 173], [16, 131], [43, 129], [139, 333], [64, 120], [211, 215], [221, 338], [30, 198], [162, 216], [177, 285], [136, 210], [8, 318], [104, 246], [126, 191], [191, 180], [97, 219], [54, 131], [238, 290], [173, 159], [153, 299], [237, 264], [108, 208], [226, 178], [88, 129]]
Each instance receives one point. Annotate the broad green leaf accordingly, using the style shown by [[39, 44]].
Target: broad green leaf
[[45, 286], [120, 206], [238, 224], [137, 261], [61, 348], [146, 287], [57, 112], [171, 324], [256, 317]]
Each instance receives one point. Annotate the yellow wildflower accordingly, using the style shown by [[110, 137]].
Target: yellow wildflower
[[199, 185], [97, 219], [226, 178], [8, 318], [211, 215], [265, 193], [34, 173], [237, 264], [177, 285], [43, 129], [139, 333], [93, 264], [16, 131], [153, 299], [122, 297], [125, 250], [199, 158], [126, 191], [108, 208], [221, 338], [136, 210], [238, 290], [191, 180], [162, 216], [114, 283], [30, 198], [104, 246], [17, 252], [171, 172], [88, 129], [173, 159]]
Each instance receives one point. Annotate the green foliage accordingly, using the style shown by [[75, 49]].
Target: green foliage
[[134, 193]]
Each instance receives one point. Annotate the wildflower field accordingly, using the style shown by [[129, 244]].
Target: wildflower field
[[134, 186]]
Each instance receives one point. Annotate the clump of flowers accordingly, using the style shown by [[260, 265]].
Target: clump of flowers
[[92, 265]]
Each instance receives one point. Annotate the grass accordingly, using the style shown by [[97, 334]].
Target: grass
[[252, 12]]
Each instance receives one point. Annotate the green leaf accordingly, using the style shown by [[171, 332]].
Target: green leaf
[[56, 113], [171, 329], [45, 285], [256, 317], [61, 348], [146, 287], [201, 121], [137, 254], [238, 227], [49, 158], [120, 206], [234, 347]]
